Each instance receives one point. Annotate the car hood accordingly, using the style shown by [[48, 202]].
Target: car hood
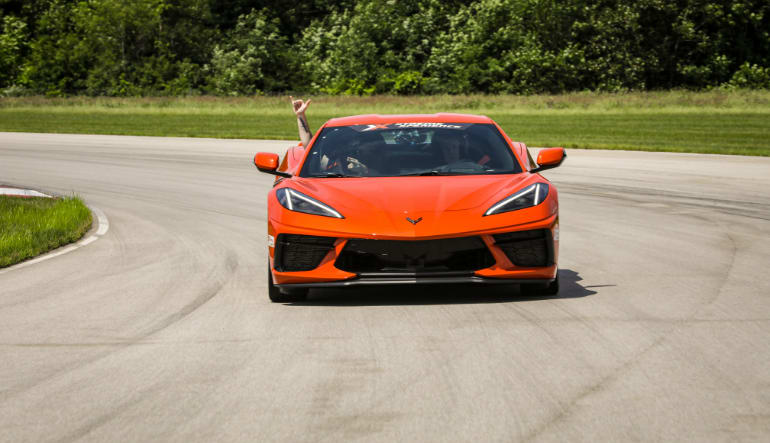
[[381, 205]]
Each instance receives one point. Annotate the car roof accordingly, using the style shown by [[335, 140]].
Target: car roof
[[377, 119]]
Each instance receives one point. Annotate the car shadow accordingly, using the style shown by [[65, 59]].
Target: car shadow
[[442, 294]]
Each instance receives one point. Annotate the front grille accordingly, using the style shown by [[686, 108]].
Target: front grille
[[527, 248], [464, 254], [300, 252]]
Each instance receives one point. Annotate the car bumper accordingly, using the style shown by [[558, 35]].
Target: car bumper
[[502, 270]]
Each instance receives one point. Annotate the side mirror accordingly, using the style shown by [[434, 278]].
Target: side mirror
[[549, 158], [268, 162]]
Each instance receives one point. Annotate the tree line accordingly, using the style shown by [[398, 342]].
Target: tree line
[[240, 47]]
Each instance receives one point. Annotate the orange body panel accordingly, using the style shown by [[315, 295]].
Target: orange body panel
[[376, 207]]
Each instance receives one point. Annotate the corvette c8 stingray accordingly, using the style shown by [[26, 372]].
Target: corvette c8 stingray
[[405, 199]]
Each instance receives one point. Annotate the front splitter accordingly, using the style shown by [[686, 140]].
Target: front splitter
[[371, 281]]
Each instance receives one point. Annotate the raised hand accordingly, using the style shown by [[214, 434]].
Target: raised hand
[[299, 106]]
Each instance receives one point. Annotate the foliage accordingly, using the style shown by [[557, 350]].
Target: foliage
[[245, 47], [750, 77], [502, 46], [12, 42], [253, 59], [132, 47], [376, 47], [58, 59]]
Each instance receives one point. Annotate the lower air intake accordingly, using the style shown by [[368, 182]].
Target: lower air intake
[[464, 254], [300, 252], [527, 248]]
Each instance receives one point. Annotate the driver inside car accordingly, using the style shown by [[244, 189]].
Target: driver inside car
[[453, 153], [359, 158], [363, 158]]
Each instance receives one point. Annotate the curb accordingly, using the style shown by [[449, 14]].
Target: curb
[[100, 217], [18, 192]]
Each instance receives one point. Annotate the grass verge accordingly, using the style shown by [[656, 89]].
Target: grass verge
[[32, 226], [721, 122]]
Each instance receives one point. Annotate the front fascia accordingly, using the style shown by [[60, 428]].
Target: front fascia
[[544, 216], [390, 223]]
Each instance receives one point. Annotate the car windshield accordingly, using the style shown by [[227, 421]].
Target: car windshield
[[408, 149]]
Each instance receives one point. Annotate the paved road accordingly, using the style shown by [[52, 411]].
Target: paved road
[[162, 329]]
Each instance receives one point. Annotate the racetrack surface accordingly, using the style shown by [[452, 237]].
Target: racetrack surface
[[162, 329]]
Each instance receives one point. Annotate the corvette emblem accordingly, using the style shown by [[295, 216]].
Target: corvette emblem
[[414, 222]]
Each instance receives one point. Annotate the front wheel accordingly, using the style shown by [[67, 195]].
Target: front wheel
[[283, 296]]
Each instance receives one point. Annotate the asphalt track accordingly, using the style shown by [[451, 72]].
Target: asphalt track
[[162, 329]]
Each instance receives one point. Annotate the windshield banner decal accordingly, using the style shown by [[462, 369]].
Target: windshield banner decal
[[414, 125]]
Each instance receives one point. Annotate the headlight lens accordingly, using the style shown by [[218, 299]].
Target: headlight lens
[[299, 202], [530, 196]]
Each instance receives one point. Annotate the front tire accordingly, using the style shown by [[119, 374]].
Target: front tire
[[283, 296]]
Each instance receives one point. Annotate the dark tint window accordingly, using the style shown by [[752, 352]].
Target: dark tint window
[[409, 149]]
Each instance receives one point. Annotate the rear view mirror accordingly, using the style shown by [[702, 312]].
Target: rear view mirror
[[549, 158], [268, 162]]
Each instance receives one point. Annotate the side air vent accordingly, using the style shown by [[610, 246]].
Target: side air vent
[[300, 252], [527, 248]]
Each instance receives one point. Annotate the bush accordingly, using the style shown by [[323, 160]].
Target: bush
[[16, 91], [750, 76], [254, 59], [374, 47], [12, 43], [132, 47]]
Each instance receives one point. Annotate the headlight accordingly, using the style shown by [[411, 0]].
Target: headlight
[[299, 202], [530, 196]]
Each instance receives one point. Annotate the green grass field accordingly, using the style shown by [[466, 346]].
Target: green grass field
[[707, 122], [32, 226]]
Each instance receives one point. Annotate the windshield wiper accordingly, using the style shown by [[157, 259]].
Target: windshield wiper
[[329, 175], [433, 172]]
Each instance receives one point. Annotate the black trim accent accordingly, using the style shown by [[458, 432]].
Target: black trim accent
[[415, 274], [369, 281], [523, 247], [294, 252], [415, 257], [274, 172]]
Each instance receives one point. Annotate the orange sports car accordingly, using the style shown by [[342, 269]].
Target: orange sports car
[[411, 199]]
